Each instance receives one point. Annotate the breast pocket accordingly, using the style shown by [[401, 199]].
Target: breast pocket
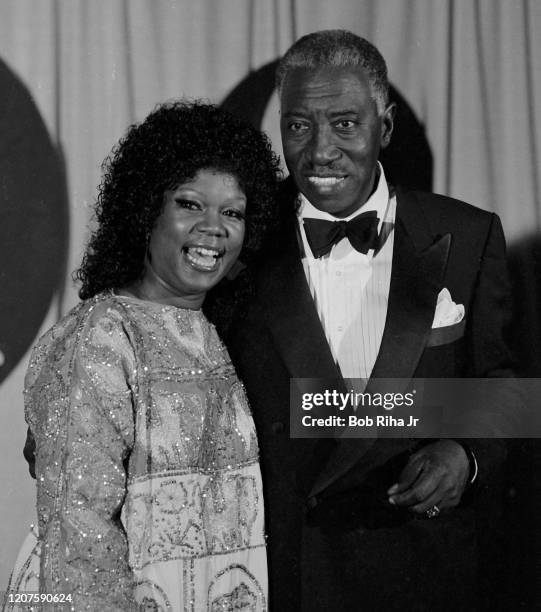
[[445, 335]]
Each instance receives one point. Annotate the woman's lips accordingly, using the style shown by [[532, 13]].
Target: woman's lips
[[203, 258]]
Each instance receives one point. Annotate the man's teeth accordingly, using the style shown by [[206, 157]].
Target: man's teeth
[[325, 181]]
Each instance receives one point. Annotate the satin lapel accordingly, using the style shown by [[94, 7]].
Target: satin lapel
[[419, 262], [416, 280], [294, 323], [292, 317]]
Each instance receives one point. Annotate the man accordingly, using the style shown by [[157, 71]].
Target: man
[[356, 524]]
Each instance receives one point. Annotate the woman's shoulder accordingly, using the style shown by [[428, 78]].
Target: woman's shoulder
[[100, 319], [94, 311]]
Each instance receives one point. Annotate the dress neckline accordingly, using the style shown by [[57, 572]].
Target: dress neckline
[[137, 300]]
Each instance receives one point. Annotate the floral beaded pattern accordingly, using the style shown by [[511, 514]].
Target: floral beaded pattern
[[147, 461]]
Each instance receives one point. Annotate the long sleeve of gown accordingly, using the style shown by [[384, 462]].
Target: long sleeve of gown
[[78, 403]]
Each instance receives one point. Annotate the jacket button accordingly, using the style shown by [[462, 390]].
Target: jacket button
[[278, 427]]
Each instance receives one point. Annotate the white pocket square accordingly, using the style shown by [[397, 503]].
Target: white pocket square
[[447, 312]]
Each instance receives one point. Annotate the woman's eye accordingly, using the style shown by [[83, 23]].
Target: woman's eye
[[187, 204], [235, 213]]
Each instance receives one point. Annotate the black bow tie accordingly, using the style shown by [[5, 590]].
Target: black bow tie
[[361, 231]]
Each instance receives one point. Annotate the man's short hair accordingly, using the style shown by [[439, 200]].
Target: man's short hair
[[338, 48]]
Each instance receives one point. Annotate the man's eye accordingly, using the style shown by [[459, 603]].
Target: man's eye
[[297, 126], [346, 124], [187, 204]]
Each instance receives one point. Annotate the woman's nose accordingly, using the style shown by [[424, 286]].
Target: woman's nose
[[211, 222]]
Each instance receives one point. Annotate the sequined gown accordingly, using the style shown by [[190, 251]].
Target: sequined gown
[[149, 488]]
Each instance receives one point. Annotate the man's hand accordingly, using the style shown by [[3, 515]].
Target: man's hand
[[436, 475]]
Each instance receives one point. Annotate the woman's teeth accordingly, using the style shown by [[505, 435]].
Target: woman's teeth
[[204, 258]]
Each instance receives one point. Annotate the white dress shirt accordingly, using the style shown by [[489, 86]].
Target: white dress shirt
[[351, 289]]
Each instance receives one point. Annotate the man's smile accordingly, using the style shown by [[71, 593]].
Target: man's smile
[[325, 181], [332, 134]]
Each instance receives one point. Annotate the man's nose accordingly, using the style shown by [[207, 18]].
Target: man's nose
[[212, 223], [323, 147]]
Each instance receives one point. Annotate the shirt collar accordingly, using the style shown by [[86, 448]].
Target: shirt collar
[[377, 201]]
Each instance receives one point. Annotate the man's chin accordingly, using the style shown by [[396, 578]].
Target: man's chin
[[337, 207]]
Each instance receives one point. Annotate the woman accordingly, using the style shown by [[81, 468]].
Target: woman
[[149, 489]]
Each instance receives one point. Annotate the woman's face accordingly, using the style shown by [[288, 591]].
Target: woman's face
[[195, 240]]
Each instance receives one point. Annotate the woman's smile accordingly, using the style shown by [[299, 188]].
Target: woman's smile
[[203, 222]]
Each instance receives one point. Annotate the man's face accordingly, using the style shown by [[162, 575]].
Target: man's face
[[332, 135]]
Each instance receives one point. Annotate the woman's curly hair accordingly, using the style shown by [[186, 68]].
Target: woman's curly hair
[[167, 149]]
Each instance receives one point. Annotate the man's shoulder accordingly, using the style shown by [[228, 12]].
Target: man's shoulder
[[435, 204], [443, 213]]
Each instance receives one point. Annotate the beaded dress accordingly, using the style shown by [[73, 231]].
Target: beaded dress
[[149, 487]]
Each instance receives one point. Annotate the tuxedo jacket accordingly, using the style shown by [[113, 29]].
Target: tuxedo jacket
[[340, 559]]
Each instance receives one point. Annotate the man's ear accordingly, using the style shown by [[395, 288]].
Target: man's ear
[[387, 124]]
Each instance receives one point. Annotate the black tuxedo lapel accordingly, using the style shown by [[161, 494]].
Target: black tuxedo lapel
[[419, 262], [294, 323], [291, 314]]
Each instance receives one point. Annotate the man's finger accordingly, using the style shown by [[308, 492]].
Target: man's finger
[[408, 475], [424, 486]]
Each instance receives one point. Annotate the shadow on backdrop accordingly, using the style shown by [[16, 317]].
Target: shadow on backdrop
[[33, 220]]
